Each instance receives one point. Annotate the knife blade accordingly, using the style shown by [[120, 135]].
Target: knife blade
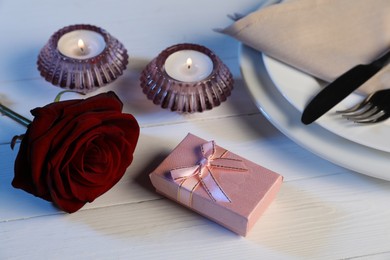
[[339, 89]]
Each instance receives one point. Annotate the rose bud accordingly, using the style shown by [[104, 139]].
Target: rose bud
[[76, 150]]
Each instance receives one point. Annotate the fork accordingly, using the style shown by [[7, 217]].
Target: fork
[[373, 109]]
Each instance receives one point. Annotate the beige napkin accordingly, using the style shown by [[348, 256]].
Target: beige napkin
[[321, 37]]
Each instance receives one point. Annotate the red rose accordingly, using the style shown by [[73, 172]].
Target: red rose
[[76, 150]]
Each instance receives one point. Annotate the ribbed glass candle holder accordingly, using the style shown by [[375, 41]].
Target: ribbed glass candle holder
[[83, 73], [181, 96]]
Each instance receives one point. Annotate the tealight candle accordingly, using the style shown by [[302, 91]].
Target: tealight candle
[[82, 58], [187, 78], [188, 66], [81, 44]]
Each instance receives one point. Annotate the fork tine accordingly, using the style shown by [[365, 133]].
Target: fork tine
[[373, 109], [365, 114], [356, 107], [378, 117]]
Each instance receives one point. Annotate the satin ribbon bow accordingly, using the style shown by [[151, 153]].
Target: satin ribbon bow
[[202, 173]]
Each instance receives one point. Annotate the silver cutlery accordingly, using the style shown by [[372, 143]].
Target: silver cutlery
[[373, 109], [339, 89]]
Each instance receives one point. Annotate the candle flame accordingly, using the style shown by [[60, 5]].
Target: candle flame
[[189, 63], [81, 45]]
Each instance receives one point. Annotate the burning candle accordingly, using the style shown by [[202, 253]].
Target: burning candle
[[187, 78], [81, 44], [82, 57], [188, 66]]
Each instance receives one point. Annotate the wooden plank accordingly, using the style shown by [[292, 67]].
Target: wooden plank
[[329, 217], [252, 137], [22, 96], [322, 211], [333, 217], [144, 28], [22, 89]]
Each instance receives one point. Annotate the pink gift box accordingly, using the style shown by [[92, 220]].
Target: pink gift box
[[216, 183]]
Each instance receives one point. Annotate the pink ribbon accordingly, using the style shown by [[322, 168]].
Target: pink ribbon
[[201, 173]]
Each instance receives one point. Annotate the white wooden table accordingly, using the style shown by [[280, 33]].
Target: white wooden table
[[322, 211]]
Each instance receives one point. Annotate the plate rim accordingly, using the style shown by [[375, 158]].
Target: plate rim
[[316, 139], [369, 135]]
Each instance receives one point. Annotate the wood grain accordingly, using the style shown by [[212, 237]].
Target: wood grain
[[323, 211]]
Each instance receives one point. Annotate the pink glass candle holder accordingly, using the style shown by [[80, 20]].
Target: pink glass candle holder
[[187, 78], [82, 58]]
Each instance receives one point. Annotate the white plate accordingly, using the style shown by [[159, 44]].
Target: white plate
[[298, 88], [286, 118]]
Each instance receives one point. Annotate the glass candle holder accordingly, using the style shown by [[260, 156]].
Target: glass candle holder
[[187, 78], [82, 58]]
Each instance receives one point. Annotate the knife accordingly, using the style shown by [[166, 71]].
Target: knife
[[339, 89]]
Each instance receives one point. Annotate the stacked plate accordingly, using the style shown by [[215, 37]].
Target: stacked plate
[[281, 93]]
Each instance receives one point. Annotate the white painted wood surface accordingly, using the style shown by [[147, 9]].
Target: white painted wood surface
[[322, 211]]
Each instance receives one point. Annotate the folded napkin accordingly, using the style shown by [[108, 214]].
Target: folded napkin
[[323, 38]]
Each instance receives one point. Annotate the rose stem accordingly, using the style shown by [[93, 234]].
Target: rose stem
[[13, 115]]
